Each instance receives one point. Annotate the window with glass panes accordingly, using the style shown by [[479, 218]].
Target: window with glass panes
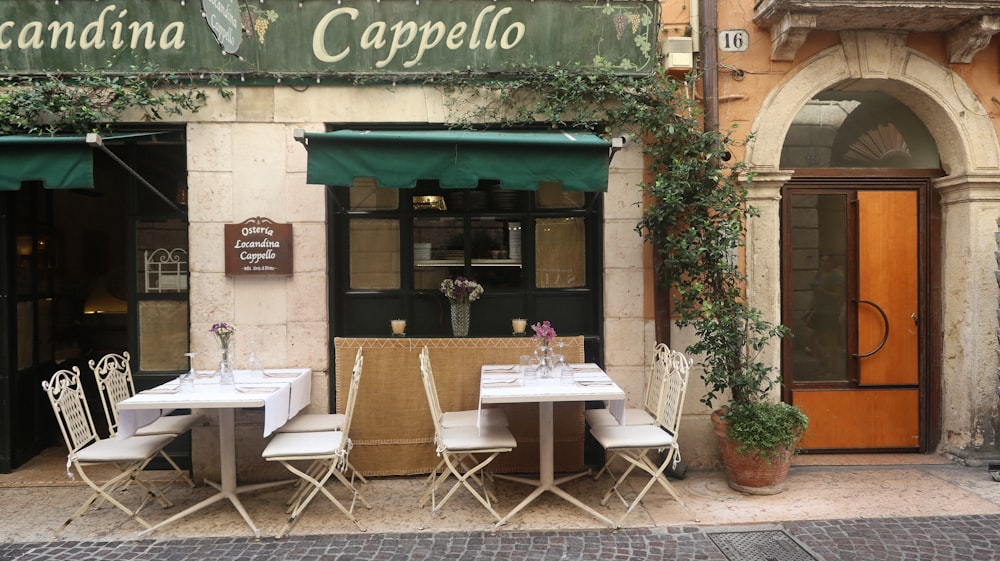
[[537, 254]]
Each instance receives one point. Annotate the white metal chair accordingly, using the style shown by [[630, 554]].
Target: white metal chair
[[466, 451], [113, 373], [319, 422], [645, 415], [327, 453], [634, 443], [656, 378], [87, 448], [486, 417]]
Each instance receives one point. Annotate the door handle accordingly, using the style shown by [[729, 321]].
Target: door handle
[[885, 334]]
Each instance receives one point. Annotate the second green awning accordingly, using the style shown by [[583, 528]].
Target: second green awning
[[59, 162], [459, 159]]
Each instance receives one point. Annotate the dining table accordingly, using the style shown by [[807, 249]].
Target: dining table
[[282, 393], [504, 383]]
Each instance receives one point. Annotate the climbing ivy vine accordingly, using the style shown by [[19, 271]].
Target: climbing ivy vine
[[94, 100]]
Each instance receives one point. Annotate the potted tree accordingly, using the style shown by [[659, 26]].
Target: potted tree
[[695, 219]]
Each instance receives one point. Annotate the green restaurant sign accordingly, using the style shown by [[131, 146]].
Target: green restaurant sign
[[327, 37]]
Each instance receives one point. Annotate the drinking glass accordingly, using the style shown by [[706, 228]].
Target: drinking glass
[[525, 364], [531, 372], [256, 367], [565, 370]]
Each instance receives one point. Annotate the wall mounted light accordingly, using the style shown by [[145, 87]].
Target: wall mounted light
[[24, 245]]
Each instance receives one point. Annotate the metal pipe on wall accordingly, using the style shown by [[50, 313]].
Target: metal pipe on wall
[[708, 31]]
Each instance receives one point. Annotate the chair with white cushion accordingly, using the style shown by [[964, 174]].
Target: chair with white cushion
[[86, 448], [327, 452], [318, 422], [645, 415], [635, 443], [656, 377], [466, 451], [486, 417], [113, 373]]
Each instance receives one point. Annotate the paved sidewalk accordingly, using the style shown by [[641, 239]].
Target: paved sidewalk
[[866, 508], [958, 538]]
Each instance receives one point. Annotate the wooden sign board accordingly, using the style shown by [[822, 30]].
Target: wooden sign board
[[258, 247]]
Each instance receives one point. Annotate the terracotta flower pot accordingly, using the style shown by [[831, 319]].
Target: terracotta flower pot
[[747, 473]]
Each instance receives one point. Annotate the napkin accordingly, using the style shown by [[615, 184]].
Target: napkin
[[299, 396], [500, 369], [507, 382], [276, 411], [161, 390], [256, 389], [130, 420]]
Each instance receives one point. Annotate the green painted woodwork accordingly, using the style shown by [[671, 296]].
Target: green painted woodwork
[[316, 38]]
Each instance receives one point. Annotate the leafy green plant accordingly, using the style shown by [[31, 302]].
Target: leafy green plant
[[766, 429], [93, 100]]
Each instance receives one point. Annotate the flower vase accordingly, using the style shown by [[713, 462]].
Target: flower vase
[[545, 362], [226, 367], [460, 312]]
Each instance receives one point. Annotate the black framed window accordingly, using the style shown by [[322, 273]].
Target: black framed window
[[538, 255]]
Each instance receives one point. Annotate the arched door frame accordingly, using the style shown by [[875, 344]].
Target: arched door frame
[[970, 198]]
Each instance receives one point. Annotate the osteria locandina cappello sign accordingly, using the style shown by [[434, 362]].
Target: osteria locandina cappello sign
[[321, 38], [258, 247]]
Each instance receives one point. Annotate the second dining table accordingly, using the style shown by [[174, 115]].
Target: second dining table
[[281, 392], [501, 383]]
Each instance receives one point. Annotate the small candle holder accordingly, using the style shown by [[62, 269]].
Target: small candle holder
[[518, 325], [398, 327]]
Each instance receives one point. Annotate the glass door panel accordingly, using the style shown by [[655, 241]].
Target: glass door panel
[[818, 250]]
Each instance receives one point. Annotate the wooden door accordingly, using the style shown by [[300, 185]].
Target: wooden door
[[852, 298]]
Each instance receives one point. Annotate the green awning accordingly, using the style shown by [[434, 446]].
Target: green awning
[[59, 162], [458, 159]]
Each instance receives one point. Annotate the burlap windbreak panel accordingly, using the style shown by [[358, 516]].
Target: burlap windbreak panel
[[392, 430]]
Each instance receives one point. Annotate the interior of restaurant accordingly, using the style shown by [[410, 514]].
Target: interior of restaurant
[[80, 285]]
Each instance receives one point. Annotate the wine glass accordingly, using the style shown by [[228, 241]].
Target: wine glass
[[191, 363], [186, 381]]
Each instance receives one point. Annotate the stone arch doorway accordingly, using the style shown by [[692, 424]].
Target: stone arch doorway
[[957, 356]]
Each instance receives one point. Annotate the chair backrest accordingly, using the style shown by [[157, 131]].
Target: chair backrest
[[115, 384], [673, 393], [655, 379], [352, 395], [69, 403], [427, 375]]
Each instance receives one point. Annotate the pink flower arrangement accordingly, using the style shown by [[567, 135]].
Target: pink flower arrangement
[[543, 332]]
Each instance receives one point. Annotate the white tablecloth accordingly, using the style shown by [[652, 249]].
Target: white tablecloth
[[503, 383], [281, 392]]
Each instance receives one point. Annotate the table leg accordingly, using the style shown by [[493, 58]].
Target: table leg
[[227, 488], [546, 471]]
